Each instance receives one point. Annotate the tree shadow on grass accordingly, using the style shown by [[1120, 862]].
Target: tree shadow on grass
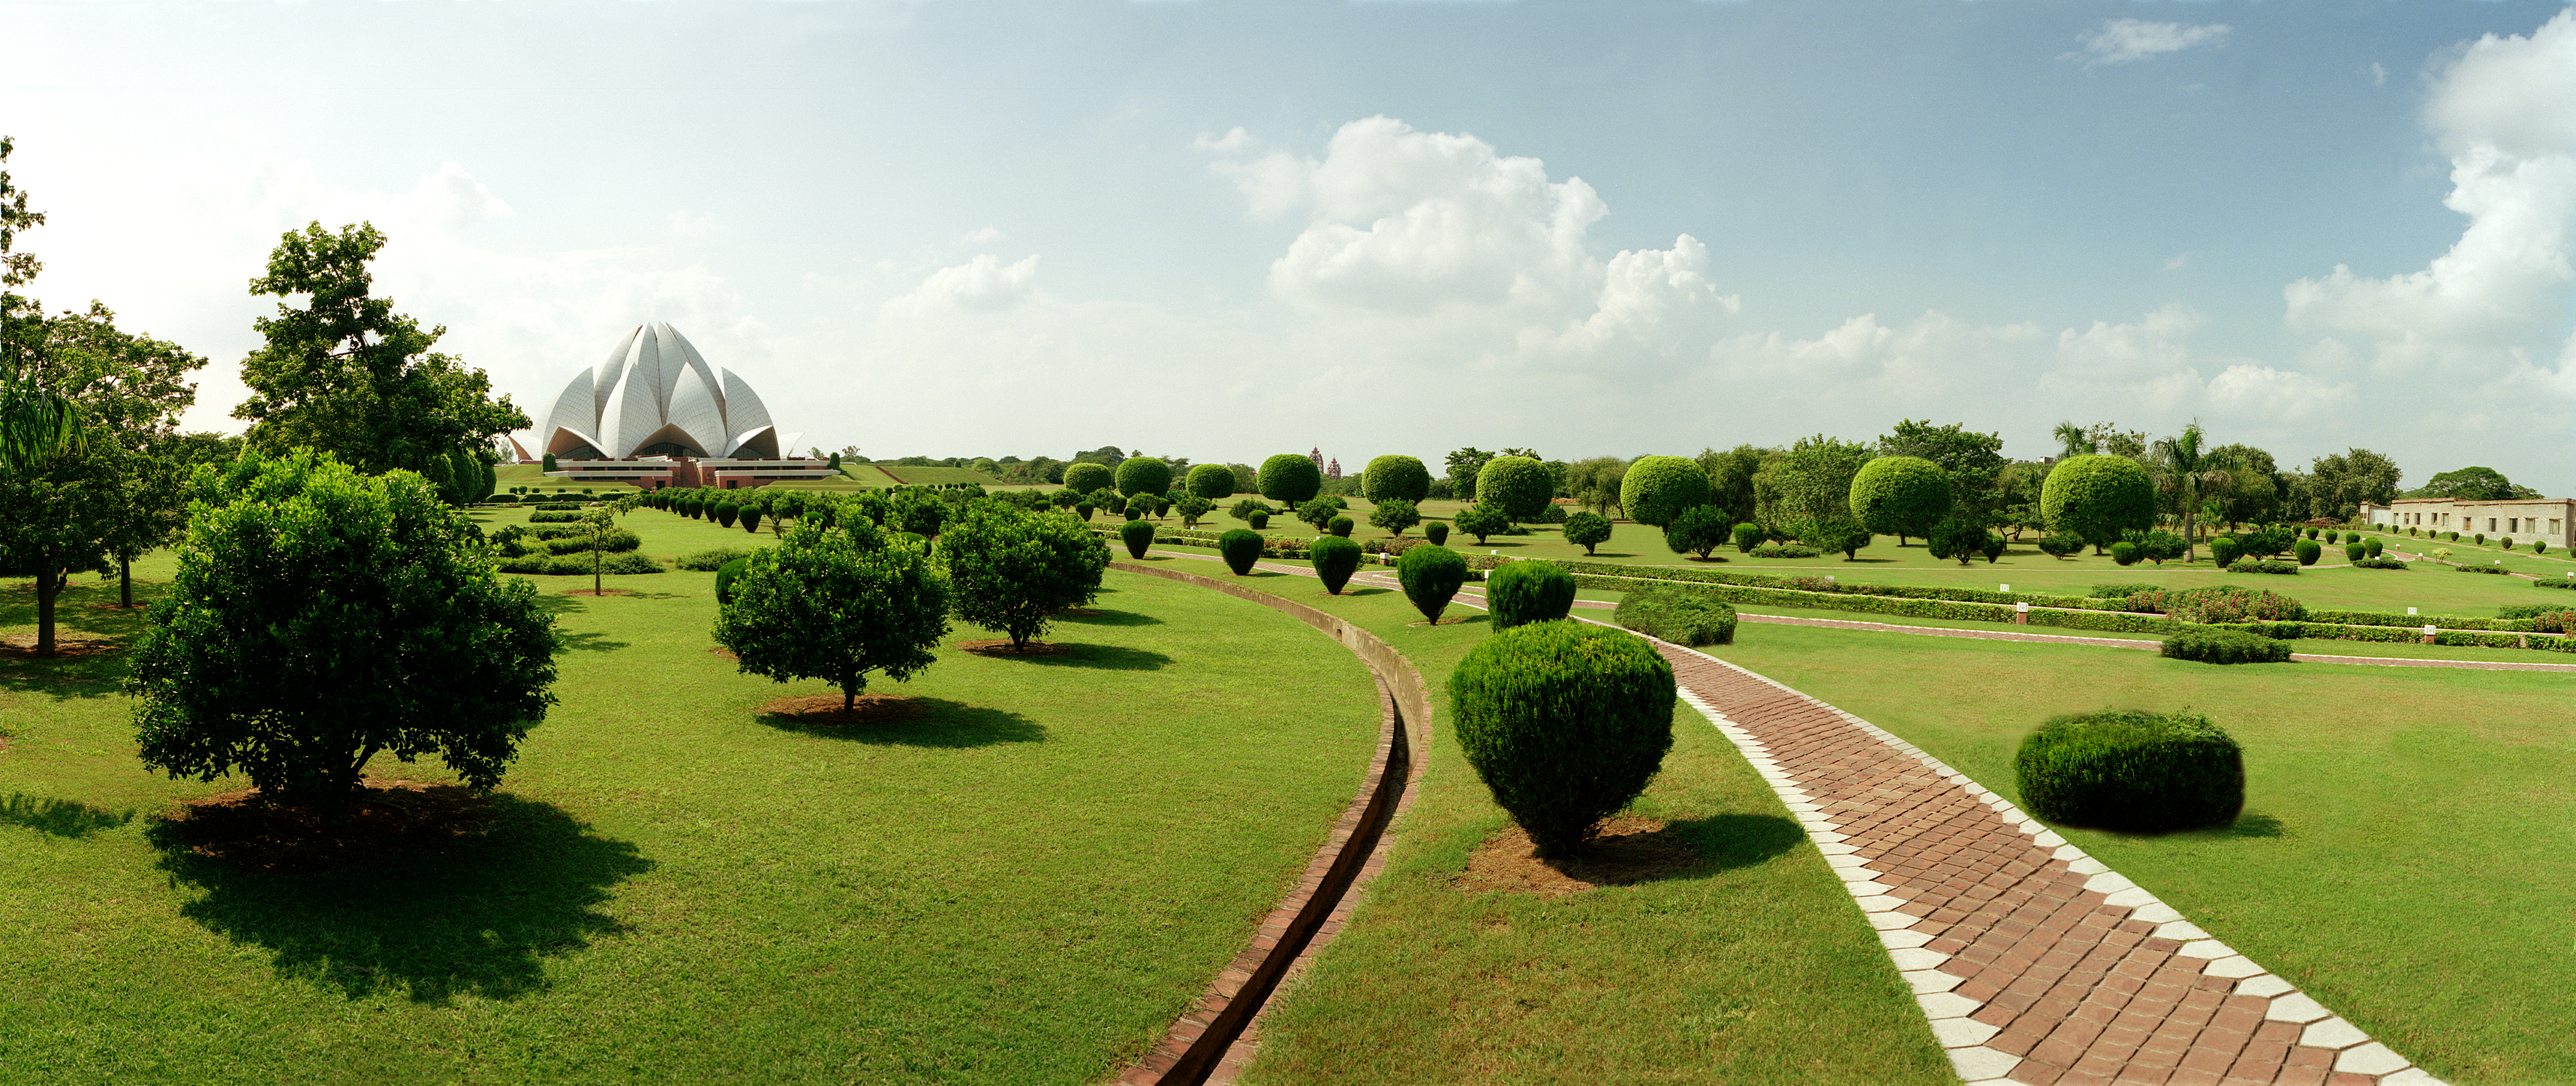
[[65, 677], [941, 723], [1731, 841], [1112, 618], [59, 817], [591, 642], [1102, 657], [477, 917]]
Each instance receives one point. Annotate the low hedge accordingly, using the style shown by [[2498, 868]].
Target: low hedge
[[542, 516], [2251, 565], [2132, 771], [709, 561], [2466, 568], [1678, 615], [561, 565], [2105, 621], [2379, 563], [1821, 584], [2211, 645]]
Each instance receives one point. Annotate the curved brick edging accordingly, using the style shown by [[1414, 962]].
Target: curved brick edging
[[1212, 1041]]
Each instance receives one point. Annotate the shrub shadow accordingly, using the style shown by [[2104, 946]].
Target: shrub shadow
[[943, 724], [1736, 840], [1112, 618], [1102, 657], [478, 918], [59, 817]]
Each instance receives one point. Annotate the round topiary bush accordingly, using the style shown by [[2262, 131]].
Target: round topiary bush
[[1437, 532], [2125, 553], [1211, 481], [1143, 475], [2211, 646], [2132, 771], [1138, 536], [1335, 560], [2354, 552], [1900, 496], [2308, 552], [1524, 592], [1657, 489], [1258, 521], [1395, 477], [2224, 550], [1519, 486], [1339, 527], [1565, 722], [1083, 509], [2098, 497], [1240, 549], [2479, 539], [1697, 530], [1747, 537], [1587, 529], [1085, 477], [1290, 478], [1430, 576], [2371, 547], [727, 512]]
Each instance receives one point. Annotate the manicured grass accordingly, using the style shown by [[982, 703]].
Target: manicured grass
[[1754, 968], [911, 476], [2403, 855], [1027, 884]]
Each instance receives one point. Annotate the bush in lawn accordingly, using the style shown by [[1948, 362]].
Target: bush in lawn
[[543, 516], [2258, 565], [1138, 536], [2371, 547], [1143, 475], [1994, 548], [1748, 536], [2225, 647], [2505, 543], [1900, 496], [2464, 568], [2125, 553], [1786, 550], [320, 617], [1519, 487], [2098, 497], [2540, 546], [1335, 559], [2224, 551], [2108, 591], [836, 604], [1013, 570], [1137, 508], [1565, 722], [1339, 526], [708, 561], [2312, 533], [1430, 576], [2354, 552], [1697, 531], [725, 575], [1192, 508], [1524, 592], [1678, 615], [1956, 537], [1394, 515], [1086, 477], [1395, 477], [1437, 532], [1481, 520], [1240, 548], [1835, 534], [1290, 479], [2479, 539], [1657, 489], [1209, 481], [2132, 771], [1259, 521], [1083, 509], [2308, 552], [2060, 545], [2231, 603], [750, 515], [1321, 511], [1587, 528], [726, 513], [2160, 546]]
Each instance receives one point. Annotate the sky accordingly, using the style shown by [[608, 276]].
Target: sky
[[1223, 230]]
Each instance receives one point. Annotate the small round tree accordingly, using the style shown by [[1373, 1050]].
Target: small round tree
[[1657, 489], [1394, 515], [1565, 722], [1335, 560], [320, 617], [1587, 528], [1697, 531], [1520, 487], [1013, 570], [1339, 527], [1748, 536], [1290, 479], [1430, 576], [1240, 548], [1395, 477], [1138, 536], [1192, 508], [835, 604], [2098, 497], [1900, 496], [1086, 477], [1520, 593], [1437, 532], [1211, 481], [1481, 520], [1144, 475]]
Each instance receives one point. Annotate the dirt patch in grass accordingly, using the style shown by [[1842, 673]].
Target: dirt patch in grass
[[1625, 850], [722, 653], [23, 647], [1001, 646], [390, 821], [601, 592], [824, 710]]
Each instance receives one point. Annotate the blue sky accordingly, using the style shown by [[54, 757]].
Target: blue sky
[[1223, 230]]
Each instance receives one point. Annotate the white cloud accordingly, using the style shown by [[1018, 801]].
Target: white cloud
[[982, 236], [2122, 41], [984, 283], [2378, 74]]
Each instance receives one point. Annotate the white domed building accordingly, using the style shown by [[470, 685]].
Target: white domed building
[[655, 414]]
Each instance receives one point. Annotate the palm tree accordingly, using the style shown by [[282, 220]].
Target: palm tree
[[2072, 441], [2182, 468]]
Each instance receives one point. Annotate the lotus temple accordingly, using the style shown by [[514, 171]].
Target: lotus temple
[[654, 414]]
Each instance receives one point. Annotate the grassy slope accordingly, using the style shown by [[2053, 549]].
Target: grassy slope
[[1025, 887], [2402, 857], [1757, 969], [915, 476]]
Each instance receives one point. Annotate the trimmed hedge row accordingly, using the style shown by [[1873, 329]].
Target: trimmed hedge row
[[2106, 621], [1819, 584]]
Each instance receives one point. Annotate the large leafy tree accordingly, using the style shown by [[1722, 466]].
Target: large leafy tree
[[132, 389], [1656, 489], [1811, 488], [2097, 497], [835, 604], [1973, 461], [2187, 468], [1731, 476], [2472, 484], [321, 617], [1013, 571], [1520, 486], [1290, 479], [348, 375], [2338, 484], [1463, 464], [1901, 495]]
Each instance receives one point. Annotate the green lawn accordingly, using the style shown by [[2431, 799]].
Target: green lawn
[[1025, 885], [1755, 968], [2404, 855]]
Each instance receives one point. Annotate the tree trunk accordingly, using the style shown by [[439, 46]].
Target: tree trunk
[[594, 569], [49, 586], [125, 583], [849, 696], [2187, 538]]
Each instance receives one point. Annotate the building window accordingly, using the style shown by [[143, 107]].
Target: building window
[[2490, 524], [2553, 526]]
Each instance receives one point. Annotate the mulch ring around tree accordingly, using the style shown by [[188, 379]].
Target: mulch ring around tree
[[824, 710], [601, 592], [1623, 851], [391, 820], [1001, 646], [23, 647]]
